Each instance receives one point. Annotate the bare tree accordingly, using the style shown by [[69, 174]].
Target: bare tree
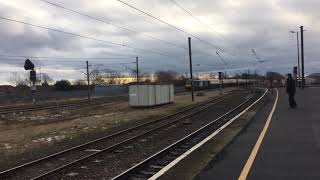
[[18, 79], [271, 76], [96, 77], [46, 79], [166, 76], [111, 77], [80, 82], [145, 77]]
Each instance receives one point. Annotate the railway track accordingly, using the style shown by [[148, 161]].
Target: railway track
[[156, 165], [58, 165], [108, 140], [71, 104], [52, 106]]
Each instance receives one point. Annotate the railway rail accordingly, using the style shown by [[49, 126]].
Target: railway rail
[[70, 156], [114, 144], [71, 104], [156, 165]]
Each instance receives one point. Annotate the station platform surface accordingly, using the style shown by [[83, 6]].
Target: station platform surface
[[290, 147]]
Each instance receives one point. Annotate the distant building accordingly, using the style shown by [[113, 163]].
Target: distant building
[[313, 79], [310, 80], [127, 80]]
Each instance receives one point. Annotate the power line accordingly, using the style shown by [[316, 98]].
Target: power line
[[83, 36], [188, 12], [222, 60], [43, 57], [175, 27], [109, 23], [205, 24]]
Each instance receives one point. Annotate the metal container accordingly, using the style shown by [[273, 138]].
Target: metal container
[[148, 95]]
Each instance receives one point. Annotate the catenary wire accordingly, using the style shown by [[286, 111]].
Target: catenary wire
[[46, 57], [188, 12], [175, 27], [83, 36], [109, 23]]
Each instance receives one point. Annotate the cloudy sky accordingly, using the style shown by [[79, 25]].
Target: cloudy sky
[[119, 33]]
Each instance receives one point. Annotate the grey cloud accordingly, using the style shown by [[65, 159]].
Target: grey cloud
[[244, 25]]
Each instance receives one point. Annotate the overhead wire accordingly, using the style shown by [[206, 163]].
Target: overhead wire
[[199, 20], [174, 27], [188, 12], [220, 58], [118, 44], [203, 23], [83, 36], [46, 57], [109, 23]]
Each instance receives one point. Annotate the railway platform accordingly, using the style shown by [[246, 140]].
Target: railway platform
[[280, 144]]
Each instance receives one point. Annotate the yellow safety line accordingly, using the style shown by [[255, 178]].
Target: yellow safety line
[[255, 150]]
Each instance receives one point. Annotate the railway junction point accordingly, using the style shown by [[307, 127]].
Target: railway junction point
[[287, 148]]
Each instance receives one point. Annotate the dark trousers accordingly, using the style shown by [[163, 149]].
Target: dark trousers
[[292, 102]]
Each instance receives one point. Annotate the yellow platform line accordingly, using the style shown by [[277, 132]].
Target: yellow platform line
[[247, 167]]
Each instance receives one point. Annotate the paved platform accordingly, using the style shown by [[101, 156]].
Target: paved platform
[[290, 148]]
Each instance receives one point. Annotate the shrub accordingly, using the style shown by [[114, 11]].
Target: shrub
[[63, 85]]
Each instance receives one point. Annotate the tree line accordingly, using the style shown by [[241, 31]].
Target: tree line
[[106, 76]]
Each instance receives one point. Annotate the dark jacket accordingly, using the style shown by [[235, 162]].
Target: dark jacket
[[291, 86]]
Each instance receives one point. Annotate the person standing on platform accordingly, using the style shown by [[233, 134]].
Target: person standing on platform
[[291, 90]]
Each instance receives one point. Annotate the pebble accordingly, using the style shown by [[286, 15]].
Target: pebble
[[7, 146], [72, 174]]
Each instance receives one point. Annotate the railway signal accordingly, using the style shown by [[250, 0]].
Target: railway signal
[[221, 82], [33, 76], [220, 75], [29, 66]]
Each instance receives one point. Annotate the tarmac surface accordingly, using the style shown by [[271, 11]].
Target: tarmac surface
[[290, 148]]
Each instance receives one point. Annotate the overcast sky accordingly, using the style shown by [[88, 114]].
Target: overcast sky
[[235, 27]]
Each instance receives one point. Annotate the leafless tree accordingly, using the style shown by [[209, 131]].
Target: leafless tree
[[96, 77], [145, 77], [111, 77], [46, 79], [79, 82], [18, 79], [166, 76]]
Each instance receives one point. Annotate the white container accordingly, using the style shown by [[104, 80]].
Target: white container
[[147, 95]]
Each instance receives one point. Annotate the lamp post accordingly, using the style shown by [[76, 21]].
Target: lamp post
[[297, 32]]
